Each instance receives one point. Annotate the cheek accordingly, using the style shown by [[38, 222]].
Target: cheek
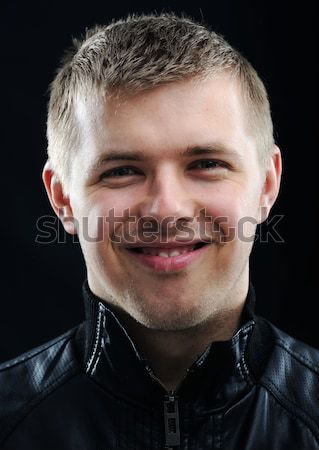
[[101, 217], [234, 212]]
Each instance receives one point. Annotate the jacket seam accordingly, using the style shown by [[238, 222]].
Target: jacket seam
[[297, 356], [40, 397], [243, 367], [242, 332], [290, 407], [93, 359]]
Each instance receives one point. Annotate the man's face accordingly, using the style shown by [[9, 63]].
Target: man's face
[[182, 154]]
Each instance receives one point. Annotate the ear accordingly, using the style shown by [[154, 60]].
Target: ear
[[271, 185], [59, 201]]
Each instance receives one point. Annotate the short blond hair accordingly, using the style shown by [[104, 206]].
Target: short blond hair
[[138, 53]]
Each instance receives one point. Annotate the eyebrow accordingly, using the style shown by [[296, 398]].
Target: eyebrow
[[119, 155]]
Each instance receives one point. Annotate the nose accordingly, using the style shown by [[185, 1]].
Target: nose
[[168, 196]]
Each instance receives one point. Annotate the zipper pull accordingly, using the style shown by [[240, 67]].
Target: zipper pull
[[171, 418]]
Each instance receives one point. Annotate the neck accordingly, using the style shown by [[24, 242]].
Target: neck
[[171, 353]]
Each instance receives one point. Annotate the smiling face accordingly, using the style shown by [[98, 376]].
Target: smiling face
[[167, 155]]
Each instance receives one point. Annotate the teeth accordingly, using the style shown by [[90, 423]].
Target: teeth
[[163, 254], [167, 253]]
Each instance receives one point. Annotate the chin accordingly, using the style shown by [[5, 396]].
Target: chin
[[173, 319]]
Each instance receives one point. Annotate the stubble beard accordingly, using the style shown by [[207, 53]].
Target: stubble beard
[[195, 310]]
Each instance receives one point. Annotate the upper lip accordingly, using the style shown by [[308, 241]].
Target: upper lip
[[171, 244]]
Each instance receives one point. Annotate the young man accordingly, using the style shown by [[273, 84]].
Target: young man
[[161, 159]]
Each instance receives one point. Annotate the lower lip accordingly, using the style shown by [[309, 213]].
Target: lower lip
[[170, 264]]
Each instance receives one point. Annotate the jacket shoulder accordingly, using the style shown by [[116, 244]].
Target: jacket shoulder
[[292, 378], [27, 379]]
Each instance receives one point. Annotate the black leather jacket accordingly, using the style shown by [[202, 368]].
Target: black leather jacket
[[90, 389]]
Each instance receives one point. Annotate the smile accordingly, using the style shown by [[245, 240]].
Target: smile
[[168, 259]]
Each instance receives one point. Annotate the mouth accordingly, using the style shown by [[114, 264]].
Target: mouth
[[170, 258], [168, 252]]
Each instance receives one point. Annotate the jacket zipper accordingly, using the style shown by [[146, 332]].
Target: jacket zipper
[[171, 415], [171, 419]]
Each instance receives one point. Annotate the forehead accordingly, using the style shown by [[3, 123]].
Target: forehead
[[166, 120]]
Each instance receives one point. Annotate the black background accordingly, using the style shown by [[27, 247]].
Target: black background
[[41, 283]]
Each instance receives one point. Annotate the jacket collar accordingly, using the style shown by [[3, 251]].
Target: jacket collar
[[217, 378]]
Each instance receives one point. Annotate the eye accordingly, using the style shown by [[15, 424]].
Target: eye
[[207, 164], [120, 172]]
